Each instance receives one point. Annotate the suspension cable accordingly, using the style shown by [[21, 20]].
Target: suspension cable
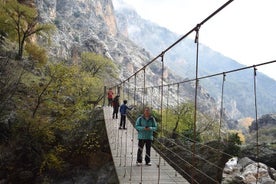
[[196, 83], [172, 161], [180, 39], [203, 145], [195, 102], [167, 107], [144, 91], [217, 74], [162, 93], [178, 98], [135, 88], [151, 97], [180, 158], [196, 155], [128, 91], [257, 124], [132, 154], [125, 166], [221, 105], [123, 90]]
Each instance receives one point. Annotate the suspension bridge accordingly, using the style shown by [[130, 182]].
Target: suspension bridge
[[124, 146], [123, 143]]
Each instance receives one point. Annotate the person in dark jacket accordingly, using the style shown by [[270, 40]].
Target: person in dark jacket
[[123, 112], [145, 125], [116, 106]]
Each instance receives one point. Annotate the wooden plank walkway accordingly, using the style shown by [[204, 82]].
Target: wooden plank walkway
[[123, 143]]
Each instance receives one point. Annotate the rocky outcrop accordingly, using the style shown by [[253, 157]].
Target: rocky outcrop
[[264, 121], [266, 150], [92, 11], [81, 24], [246, 171], [266, 153]]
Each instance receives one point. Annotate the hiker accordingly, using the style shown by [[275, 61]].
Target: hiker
[[145, 125], [123, 112], [110, 96], [116, 106]]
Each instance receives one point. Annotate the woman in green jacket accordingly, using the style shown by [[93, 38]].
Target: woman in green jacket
[[145, 125]]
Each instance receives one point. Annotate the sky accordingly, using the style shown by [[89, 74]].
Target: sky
[[245, 30]]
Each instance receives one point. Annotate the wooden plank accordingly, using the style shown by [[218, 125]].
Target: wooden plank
[[124, 145]]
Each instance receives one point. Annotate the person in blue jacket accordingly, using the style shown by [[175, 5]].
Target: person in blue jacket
[[123, 112], [145, 125]]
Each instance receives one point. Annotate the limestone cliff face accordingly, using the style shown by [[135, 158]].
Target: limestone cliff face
[[85, 25], [82, 25], [74, 9], [104, 9]]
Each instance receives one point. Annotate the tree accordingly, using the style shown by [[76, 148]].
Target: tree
[[179, 119], [37, 54], [51, 115], [233, 143], [184, 113], [10, 77], [97, 65], [20, 22]]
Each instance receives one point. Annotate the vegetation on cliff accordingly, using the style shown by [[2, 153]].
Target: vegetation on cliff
[[47, 126]]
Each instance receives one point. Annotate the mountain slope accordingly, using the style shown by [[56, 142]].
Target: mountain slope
[[91, 26], [239, 89]]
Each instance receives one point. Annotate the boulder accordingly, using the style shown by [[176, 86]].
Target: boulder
[[246, 171]]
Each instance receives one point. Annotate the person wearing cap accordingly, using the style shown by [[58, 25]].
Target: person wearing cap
[[123, 112]]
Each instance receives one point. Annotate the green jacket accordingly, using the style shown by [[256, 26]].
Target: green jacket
[[140, 125]]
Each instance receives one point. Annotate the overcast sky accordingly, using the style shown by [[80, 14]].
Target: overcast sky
[[245, 30]]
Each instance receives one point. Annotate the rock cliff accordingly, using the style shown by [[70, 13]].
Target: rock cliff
[[266, 121], [84, 25]]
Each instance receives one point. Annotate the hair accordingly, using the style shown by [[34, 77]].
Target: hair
[[149, 109], [125, 101]]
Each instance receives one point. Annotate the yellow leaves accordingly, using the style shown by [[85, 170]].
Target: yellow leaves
[[20, 22], [239, 134], [59, 149], [51, 161], [18, 16], [246, 122], [62, 91], [51, 116], [97, 65], [92, 140], [37, 54], [90, 144]]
